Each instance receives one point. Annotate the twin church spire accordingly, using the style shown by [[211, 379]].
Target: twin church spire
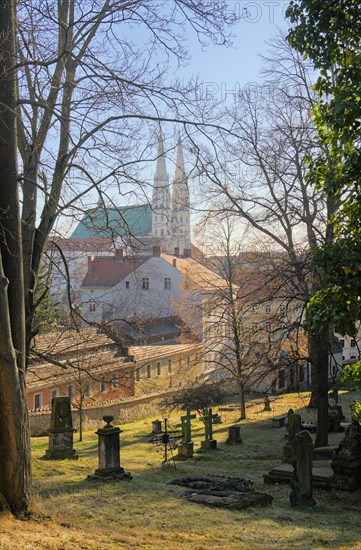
[[171, 217]]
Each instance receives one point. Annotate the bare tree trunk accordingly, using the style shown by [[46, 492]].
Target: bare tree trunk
[[242, 400], [319, 356], [15, 464]]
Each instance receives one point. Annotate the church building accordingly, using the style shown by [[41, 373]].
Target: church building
[[165, 221]]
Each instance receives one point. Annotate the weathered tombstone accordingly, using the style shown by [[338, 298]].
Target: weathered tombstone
[[335, 417], [185, 448], [109, 453], [267, 404], [234, 435], [61, 431], [346, 463], [156, 426], [209, 442], [293, 428], [301, 484]]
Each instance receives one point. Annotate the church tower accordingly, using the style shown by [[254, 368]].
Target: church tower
[[161, 204], [180, 207]]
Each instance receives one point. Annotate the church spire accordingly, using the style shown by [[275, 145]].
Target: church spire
[[180, 195], [161, 195]]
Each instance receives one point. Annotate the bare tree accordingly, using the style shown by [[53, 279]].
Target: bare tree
[[82, 95], [264, 182]]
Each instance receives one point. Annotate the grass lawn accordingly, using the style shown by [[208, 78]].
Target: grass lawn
[[147, 513]]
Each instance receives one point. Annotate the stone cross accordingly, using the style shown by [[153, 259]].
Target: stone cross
[[186, 426], [208, 424]]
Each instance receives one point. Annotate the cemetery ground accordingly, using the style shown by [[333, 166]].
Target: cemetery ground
[[147, 513]]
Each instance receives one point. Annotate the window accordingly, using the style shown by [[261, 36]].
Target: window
[[268, 326], [158, 369], [161, 232], [342, 343], [353, 343], [115, 381], [54, 393], [102, 385], [254, 308], [169, 366], [88, 391], [38, 398], [126, 284], [268, 309], [167, 283], [301, 373], [137, 375], [281, 379], [283, 308], [71, 392], [149, 371], [92, 307], [145, 283]]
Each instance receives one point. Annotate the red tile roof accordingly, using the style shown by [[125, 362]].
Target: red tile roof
[[106, 271]]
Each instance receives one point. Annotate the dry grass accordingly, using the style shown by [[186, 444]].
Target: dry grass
[[146, 513]]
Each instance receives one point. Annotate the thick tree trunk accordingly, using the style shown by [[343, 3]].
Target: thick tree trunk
[[15, 465], [242, 400], [319, 352]]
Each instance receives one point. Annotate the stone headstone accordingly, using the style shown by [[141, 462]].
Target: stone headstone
[[61, 430], [267, 404], [335, 417], [346, 463], [156, 426], [293, 428], [185, 448], [109, 453], [301, 484], [234, 435]]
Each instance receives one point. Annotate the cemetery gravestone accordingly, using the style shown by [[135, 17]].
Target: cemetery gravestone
[[185, 448], [267, 404], [209, 442], [346, 464], [109, 453], [293, 428], [61, 430], [234, 435], [156, 426], [301, 484]]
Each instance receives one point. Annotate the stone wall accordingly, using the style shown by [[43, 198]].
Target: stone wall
[[124, 411]]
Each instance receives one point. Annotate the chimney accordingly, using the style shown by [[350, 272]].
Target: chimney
[[174, 262], [90, 260], [156, 250], [119, 253], [187, 253], [176, 251]]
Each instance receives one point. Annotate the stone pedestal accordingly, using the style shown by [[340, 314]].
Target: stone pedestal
[[109, 453], [209, 444], [234, 435], [185, 450], [61, 431]]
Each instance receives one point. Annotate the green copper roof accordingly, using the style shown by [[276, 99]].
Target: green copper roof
[[122, 221]]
